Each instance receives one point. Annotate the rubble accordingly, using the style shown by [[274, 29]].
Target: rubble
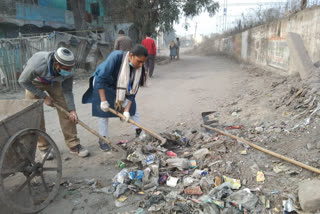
[[197, 171], [309, 195]]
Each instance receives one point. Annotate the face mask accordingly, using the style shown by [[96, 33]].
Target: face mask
[[64, 73], [130, 63]]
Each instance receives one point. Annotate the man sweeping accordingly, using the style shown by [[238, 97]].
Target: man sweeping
[[49, 76]]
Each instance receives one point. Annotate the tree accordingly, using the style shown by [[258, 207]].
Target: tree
[[78, 9], [152, 15]]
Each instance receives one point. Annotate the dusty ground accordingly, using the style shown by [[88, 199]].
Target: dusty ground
[[174, 98]]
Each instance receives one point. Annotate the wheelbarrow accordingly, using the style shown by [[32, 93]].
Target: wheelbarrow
[[28, 182]]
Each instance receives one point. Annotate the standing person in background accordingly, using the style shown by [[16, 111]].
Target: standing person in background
[[150, 45], [178, 48], [123, 42], [173, 50]]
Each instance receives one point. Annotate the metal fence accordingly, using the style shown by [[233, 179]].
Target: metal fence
[[14, 53]]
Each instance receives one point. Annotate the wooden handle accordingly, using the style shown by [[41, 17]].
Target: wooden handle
[[119, 149], [265, 150], [163, 140]]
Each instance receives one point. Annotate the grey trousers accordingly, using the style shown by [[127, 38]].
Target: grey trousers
[[104, 122], [149, 64]]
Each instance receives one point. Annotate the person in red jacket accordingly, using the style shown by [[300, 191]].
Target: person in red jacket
[[150, 45]]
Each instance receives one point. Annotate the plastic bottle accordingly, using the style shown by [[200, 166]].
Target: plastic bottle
[[121, 164]]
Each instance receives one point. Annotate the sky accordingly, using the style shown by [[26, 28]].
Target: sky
[[207, 25]]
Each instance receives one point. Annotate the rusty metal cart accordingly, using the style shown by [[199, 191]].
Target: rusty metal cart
[[28, 181]]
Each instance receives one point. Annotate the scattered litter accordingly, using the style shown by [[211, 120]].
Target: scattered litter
[[235, 183], [122, 198], [193, 191], [260, 176], [171, 154], [287, 205], [172, 181], [122, 142]]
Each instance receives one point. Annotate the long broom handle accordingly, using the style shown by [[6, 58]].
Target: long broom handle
[[163, 140], [119, 149], [265, 150]]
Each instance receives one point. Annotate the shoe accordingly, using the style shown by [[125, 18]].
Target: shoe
[[50, 155], [138, 132], [80, 151], [103, 146]]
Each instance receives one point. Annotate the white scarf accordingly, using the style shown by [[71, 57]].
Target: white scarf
[[123, 82]]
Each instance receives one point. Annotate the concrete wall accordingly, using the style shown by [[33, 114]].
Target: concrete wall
[[266, 45]]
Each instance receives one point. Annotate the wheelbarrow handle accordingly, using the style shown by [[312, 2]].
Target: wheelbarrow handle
[[119, 149], [163, 140]]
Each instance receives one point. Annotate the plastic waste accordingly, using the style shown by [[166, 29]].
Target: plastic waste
[[146, 175], [132, 175], [121, 189], [155, 170], [121, 164], [197, 173], [244, 198], [187, 181], [139, 175], [171, 154], [192, 164], [287, 206], [153, 182], [204, 184], [260, 176], [150, 159], [163, 178], [121, 176], [180, 163], [235, 183], [144, 137], [222, 191], [172, 181], [201, 154]]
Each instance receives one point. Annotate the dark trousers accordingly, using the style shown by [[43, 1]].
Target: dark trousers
[[149, 64]]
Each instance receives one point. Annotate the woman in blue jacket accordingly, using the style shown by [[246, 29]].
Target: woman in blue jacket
[[115, 84]]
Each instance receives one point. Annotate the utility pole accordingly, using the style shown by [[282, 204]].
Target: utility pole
[[195, 30]]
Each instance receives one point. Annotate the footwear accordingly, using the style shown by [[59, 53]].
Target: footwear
[[50, 155], [138, 132], [103, 146], [80, 151]]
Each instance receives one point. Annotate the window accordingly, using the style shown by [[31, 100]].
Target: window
[[95, 9]]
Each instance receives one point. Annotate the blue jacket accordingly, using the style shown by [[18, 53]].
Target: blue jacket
[[106, 77]]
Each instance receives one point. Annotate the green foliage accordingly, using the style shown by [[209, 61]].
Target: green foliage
[[149, 15]]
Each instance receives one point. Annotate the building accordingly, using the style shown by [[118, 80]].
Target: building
[[42, 16]]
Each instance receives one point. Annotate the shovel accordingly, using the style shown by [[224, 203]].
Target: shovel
[[114, 146], [157, 136]]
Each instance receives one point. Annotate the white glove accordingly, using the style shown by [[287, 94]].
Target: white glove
[[127, 115], [104, 106]]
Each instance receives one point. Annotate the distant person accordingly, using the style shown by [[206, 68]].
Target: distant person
[[173, 50], [178, 48], [49, 76], [123, 42], [115, 84], [150, 45]]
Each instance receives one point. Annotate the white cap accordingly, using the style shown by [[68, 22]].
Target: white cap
[[64, 56]]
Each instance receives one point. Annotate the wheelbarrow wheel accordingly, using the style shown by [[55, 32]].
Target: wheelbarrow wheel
[[28, 181]]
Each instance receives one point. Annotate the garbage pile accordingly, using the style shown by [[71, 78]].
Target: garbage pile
[[189, 174]]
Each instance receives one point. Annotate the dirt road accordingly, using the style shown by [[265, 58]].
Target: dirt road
[[177, 93]]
